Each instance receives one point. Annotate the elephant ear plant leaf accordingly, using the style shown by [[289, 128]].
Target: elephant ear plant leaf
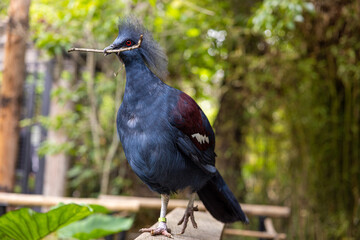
[[95, 226], [4, 237], [26, 224]]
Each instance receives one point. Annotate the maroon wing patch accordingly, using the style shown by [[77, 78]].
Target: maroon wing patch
[[189, 119]]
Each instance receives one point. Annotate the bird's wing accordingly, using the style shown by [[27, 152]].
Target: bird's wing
[[196, 139]]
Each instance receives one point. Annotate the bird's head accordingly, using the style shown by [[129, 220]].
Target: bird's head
[[150, 51]]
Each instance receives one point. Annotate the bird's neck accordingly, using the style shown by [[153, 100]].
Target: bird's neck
[[141, 83]]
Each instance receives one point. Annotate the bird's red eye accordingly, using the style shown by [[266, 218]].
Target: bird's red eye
[[128, 43]]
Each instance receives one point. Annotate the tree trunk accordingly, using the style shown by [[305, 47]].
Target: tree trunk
[[229, 128], [56, 165], [12, 89]]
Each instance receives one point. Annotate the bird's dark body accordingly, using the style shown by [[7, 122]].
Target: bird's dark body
[[167, 139], [146, 122]]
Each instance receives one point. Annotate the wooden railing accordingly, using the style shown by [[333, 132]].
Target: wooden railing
[[133, 204], [34, 200], [266, 211]]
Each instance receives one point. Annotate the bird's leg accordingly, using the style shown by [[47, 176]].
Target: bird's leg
[[189, 212], [162, 227]]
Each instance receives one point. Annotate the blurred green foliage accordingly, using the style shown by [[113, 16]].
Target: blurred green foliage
[[95, 226], [284, 76], [55, 26], [311, 86], [64, 221], [4, 7]]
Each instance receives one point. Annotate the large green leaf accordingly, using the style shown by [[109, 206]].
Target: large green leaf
[[27, 224], [4, 237], [95, 208], [95, 226]]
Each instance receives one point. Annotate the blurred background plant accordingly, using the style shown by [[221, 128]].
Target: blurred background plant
[[279, 81], [64, 221]]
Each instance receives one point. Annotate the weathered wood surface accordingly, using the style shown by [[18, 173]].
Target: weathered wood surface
[[208, 227], [249, 209], [270, 232], [254, 234], [16, 199]]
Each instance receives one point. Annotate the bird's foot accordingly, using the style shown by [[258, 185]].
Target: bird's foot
[[160, 230], [189, 212]]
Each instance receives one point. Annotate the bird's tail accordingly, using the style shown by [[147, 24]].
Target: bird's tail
[[220, 201]]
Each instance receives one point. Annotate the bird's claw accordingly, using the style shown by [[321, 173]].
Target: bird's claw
[[158, 231], [189, 212]]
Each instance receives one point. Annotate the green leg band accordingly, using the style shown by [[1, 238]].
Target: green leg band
[[162, 219]]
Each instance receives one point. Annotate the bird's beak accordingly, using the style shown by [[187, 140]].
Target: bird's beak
[[111, 47]]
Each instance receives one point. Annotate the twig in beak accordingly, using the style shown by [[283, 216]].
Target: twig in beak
[[108, 51]]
